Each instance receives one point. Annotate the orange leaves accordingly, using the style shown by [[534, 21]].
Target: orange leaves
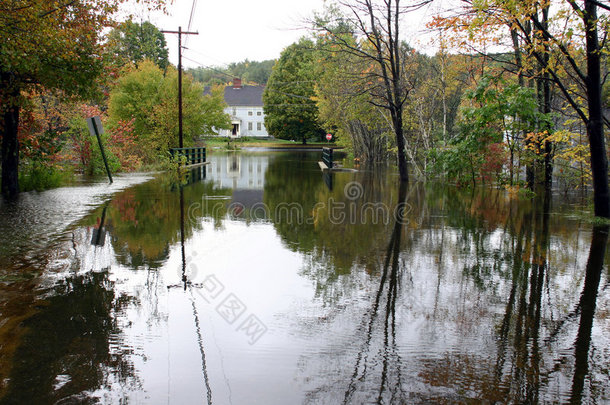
[[534, 140], [467, 28], [122, 144], [41, 125], [89, 111], [56, 43]]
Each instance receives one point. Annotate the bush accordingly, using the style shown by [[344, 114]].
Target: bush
[[42, 177], [97, 163]]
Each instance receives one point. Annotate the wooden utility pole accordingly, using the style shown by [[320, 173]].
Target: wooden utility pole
[[180, 33]]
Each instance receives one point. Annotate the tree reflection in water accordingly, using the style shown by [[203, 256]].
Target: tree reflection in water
[[384, 312], [65, 350], [524, 381], [587, 303], [507, 311], [468, 297]]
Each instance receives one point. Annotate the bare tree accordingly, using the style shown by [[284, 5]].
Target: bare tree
[[376, 26]]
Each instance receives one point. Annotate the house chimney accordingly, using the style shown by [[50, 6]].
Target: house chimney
[[237, 83]]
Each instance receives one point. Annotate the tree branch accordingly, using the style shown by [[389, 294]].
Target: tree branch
[[68, 4]]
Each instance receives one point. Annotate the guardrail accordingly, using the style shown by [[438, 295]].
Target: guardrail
[[327, 157], [194, 156]]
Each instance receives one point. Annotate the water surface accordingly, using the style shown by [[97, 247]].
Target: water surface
[[258, 280]]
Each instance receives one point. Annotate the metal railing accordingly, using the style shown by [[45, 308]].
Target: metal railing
[[327, 157], [193, 155]]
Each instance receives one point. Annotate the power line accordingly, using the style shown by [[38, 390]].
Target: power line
[[301, 105], [210, 68], [222, 64], [191, 18], [288, 94]]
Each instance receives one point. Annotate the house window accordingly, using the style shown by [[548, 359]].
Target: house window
[[234, 111], [259, 113], [258, 126], [250, 113], [249, 126]]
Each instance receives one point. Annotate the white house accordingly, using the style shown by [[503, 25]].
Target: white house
[[245, 106]]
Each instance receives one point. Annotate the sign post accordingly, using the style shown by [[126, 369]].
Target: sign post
[[95, 128], [99, 234], [329, 137]]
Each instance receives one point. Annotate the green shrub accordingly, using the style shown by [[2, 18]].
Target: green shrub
[[42, 177], [97, 163]]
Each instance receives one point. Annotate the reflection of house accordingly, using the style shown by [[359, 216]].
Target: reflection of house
[[245, 106], [244, 174], [237, 171]]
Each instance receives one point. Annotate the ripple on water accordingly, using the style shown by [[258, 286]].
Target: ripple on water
[[34, 221]]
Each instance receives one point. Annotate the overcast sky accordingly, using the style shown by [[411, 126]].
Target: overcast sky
[[234, 30]]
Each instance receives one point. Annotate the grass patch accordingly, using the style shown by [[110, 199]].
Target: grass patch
[[215, 140], [40, 177], [599, 221], [589, 218]]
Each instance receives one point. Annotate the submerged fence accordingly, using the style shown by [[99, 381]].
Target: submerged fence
[[327, 157], [194, 156]]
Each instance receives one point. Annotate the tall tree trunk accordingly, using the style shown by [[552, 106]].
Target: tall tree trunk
[[546, 147], [400, 143], [530, 175], [595, 129], [546, 106], [518, 59], [530, 169], [9, 124]]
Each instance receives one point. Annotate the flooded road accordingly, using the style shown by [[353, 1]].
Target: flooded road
[[258, 280]]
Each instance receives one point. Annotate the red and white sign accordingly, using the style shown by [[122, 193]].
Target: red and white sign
[[329, 137]]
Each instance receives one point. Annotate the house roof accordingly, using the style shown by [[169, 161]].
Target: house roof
[[250, 96]]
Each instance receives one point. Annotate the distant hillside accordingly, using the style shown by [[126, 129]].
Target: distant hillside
[[250, 72]]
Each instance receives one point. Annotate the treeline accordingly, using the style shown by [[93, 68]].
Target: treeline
[[465, 117], [522, 116], [250, 72], [124, 77]]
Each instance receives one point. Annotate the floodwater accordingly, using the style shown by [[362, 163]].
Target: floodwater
[[257, 280]]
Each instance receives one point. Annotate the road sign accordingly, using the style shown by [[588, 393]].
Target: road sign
[[96, 129], [95, 125], [329, 137]]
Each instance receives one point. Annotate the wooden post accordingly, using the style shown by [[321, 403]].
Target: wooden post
[[180, 32]]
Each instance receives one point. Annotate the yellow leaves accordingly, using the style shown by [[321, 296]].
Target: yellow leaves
[[571, 152], [513, 191], [534, 140], [573, 149]]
